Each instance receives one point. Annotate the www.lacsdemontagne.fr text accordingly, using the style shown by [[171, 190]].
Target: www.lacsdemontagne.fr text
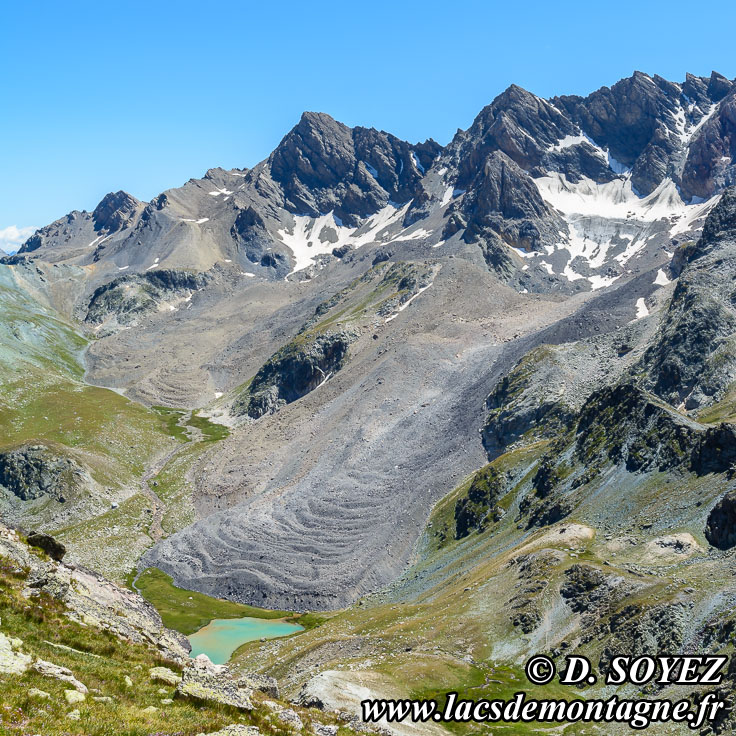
[[638, 714]]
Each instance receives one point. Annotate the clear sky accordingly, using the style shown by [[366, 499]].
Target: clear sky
[[142, 96]]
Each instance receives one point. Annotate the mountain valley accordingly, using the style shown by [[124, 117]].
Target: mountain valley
[[468, 402]]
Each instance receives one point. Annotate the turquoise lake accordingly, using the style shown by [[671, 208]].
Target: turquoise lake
[[222, 636]]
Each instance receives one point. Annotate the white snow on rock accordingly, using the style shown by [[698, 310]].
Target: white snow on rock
[[99, 239], [196, 222], [409, 301], [600, 282], [450, 194], [310, 237], [153, 265], [614, 199], [600, 216], [661, 279], [568, 141], [371, 170], [218, 192], [641, 308], [415, 159]]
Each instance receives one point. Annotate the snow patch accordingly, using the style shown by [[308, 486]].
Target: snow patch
[[416, 161], [568, 142], [641, 308], [409, 301], [600, 282], [314, 236], [99, 239], [371, 170], [662, 279]]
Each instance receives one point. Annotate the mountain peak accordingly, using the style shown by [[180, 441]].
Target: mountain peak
[[115, 210]]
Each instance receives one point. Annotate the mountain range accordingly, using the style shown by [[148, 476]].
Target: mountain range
[[491, 380]]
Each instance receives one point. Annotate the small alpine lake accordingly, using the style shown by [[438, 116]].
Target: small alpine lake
[[222, 636]]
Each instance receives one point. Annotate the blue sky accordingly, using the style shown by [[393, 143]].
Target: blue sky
[[142, 96]]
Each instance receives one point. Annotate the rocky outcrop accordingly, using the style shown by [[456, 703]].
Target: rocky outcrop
[[115, 211], [293, 372], [165, 675], [504, 200], [478, 507], [324, 166], [528, 401], [52, 547], [59, 232], [129, 297], [720, 529], [93, 601], [711, 159], [517, 123], [692, 360], [13, 661], [63, 674], [583, 588], [250, 233], [35, 471], [206, 682], [625, 425], [636, 120], [262, 683]]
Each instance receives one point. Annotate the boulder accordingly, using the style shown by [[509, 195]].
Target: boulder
[[49, 669], [262, 683], [34, 692], [720, 528], [52, 547], [235, 730], [322, 729], [165, 675], [12, 661], [287, 716], [35, 471], [74, 696]]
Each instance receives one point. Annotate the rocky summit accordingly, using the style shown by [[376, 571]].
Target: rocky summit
[[468, 402]]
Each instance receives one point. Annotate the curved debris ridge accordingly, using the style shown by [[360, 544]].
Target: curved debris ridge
[[348, 500]]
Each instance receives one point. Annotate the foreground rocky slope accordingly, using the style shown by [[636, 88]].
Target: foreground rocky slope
[[81, 655]]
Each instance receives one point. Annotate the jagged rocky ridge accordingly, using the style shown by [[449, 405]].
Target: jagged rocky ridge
[[646, 150]]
